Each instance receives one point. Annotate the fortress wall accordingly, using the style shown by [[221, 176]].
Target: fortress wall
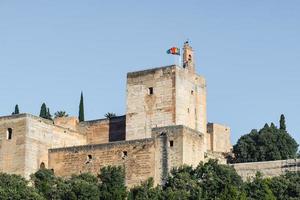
[[190, 100], [146, 111], [12, 152], [40, 136], [104, 130], [268, 169], [175, 146], [167, 155], [219, 136], [139, 162], [67, 122], [193, 147]]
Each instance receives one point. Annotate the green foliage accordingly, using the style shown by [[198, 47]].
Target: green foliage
[[112, 185], [81, 109], [286, 187], [14, 187], [282, 123], [270, 143], [49, 116], [60, 114], [208, 181], [259, 189], [44, 180], [145, 191], [17, 111], [84, 186], [205, 182], [81, 187], [45, 112], [218, 179], [110, 115]]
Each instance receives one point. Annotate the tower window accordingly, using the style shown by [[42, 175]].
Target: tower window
[[192, 92], [89, 159], [190, 57], [171, 143], [9, 133], [150, 90], [124, 154]]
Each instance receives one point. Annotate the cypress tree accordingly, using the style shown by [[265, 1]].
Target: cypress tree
[[81, 109], [16, 112], [49, 116], [282, 123], [43, 112]]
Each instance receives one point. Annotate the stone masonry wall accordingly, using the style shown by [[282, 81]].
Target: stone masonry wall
[[67, 122], [169, 150], [136, 156], [219, 136], [193, 147], [175, 146], [12, 152], [268, 169], [42, 135], [31, 138], [104, 130], [190, 100], [146, 111]]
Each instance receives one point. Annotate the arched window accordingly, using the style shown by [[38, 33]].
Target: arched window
[[9, 133], [42, 165]]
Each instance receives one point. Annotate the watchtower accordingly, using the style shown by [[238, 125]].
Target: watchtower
[[188, 57], [166, 96]]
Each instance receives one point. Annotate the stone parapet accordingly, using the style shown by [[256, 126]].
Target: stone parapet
[[268, 168]]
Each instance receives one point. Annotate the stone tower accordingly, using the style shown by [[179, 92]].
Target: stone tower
[[166, 96], [188, 57]]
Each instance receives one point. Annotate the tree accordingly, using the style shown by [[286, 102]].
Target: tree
[[44, 181], [110, 115], [282, 123], [43, 111], [78, 187], [218, 180], [61, 113], [145, 191], [259, 189], [16, 112], [208, 181], [16, 187], [286, 186], [85, 187], [269, 143], [112, 183], [81, 109], [49, 116]]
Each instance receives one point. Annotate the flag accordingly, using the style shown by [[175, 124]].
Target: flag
[[174, 51]]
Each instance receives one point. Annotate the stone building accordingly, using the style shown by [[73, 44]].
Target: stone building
[[165, 126]]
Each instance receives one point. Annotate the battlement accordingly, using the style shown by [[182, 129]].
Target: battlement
[[102, 146], [150, 71]]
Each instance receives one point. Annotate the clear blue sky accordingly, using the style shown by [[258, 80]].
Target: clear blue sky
[[249, 52]]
